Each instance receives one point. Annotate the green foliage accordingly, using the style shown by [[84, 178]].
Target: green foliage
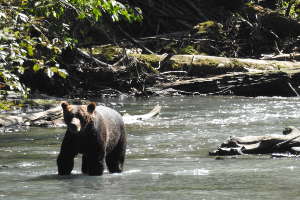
[[91, 9], [107, 53], [190, 50], [207, 26], [12, 53], [33, 34], [289, 8], [6, 105]]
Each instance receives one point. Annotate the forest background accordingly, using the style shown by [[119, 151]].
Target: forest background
[[95, 48]]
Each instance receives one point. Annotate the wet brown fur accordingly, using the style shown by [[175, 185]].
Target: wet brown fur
[[101, 136]]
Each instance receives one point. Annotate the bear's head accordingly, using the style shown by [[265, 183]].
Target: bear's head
[[77, 117]]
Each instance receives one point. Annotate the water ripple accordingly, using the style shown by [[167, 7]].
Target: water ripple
[[194, 172]]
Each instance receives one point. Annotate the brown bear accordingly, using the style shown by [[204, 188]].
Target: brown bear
[[98, 133]]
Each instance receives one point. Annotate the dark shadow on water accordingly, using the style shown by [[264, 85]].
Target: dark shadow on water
[[76, 183], [47, 177]]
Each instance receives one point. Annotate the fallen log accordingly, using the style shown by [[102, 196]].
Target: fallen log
[[202, 65], [282, 57], [288, 142], [240, 83], [54, 118], [130, 119], [213, 75]]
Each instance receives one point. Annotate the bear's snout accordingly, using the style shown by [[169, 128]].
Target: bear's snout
[[75, 125]]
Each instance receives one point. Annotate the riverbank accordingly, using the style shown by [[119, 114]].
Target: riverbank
[[169, 53], [134, 74]]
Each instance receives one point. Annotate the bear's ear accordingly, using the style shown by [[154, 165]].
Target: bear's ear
[[64, 105], [91, 107]]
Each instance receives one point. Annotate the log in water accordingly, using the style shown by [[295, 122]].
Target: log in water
[[288, 142]]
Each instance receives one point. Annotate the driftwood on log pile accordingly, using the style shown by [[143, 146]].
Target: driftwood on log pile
[[288, 142]]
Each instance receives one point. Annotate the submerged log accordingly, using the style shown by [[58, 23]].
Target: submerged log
[[54, 118], [288, 142]]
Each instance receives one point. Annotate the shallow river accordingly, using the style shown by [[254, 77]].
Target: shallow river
[[167, 156]]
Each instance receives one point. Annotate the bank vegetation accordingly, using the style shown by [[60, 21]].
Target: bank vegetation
[[90, 49]]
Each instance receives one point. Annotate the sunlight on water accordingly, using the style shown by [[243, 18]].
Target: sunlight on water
[[167, 156], [28, 164], [194, 172]]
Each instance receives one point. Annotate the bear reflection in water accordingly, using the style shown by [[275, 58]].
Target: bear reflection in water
[[97, 132]]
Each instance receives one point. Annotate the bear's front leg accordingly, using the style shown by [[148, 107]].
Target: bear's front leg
[[95, 164], [115, 159], [65, 159], [65, 164], [84, 164]]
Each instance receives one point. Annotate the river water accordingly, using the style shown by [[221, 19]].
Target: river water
[[167, 156]]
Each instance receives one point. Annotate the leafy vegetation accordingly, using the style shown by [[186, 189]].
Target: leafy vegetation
[[34, 33], [289, 8]]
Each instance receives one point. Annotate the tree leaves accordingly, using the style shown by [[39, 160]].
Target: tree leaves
[[97, 13], [30, 50], [34, 32], [36, 67], [62, 73]]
